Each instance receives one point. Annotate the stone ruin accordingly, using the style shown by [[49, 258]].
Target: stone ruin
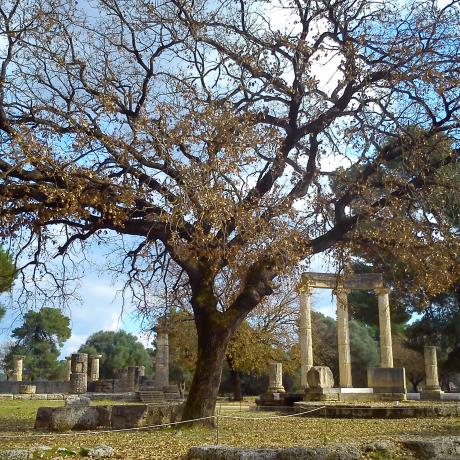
[[385, 383], [82, 377]]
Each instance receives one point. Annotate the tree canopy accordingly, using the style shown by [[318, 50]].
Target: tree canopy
[[119, 349], [206, 133], [39, 339]]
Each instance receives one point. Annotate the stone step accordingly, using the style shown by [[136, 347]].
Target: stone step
[[151, 396]]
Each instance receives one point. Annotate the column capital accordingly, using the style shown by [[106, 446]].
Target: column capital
[[382, 291], [95, 356], [18, 357]]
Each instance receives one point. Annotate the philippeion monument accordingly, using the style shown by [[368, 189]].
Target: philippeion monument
[[384, 379]]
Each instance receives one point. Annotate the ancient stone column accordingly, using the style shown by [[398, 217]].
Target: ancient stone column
[[79, 377], [432, 389], [68, 368], [343, 338], [306, 347], [162, 357], [275, 378], [94, 368], [18, 361], [431, 369], [386, 346]]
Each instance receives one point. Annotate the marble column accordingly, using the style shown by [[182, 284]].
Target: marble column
[[386, 346], [94, 367], [18, 361], [306, 346], [343, 338], [79, 376], [275, 378], [68, 368], [162, 357], [431, 369], [432, 389]]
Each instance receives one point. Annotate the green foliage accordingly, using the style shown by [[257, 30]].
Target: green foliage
[[39, 338], [119, 349], [7, 275], [7, 271]]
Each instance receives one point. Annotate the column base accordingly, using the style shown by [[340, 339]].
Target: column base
[[279, 389], [431, 395]]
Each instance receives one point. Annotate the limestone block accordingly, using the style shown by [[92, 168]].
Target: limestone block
[[387, 379], [74, 400], [431, 395], [27, 389], [6, 396], [55, 396], [320, 377], [22, 397]]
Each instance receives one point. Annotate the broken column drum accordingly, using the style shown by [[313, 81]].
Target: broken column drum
[[94, 367], [275, 375], [18, 365], [79, 377]]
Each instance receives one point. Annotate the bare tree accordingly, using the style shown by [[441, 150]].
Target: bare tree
[[205, 133]]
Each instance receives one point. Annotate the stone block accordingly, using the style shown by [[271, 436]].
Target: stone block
[[387, 379], [321, 394], [38, 396], [22, 397], [6, 396], [27, 389], [58, 396], [74, 400], [43, 418], [320, 377], [80, 418]]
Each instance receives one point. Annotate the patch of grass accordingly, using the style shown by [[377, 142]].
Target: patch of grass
[[17, 418]]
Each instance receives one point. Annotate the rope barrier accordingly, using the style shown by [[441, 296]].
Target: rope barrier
[[271, 418], [149, 427]]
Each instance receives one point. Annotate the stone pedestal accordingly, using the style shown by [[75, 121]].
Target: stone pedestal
[[320, 385], [94, 367], [162, 357], [78, 377], [343, 338], [432, 389], [18, 361], [389, 381], [275, 375], [386, 346], [306, 346]]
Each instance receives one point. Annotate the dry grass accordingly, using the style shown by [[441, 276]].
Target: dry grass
[[17, 418]]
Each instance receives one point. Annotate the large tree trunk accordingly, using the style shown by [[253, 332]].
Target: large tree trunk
[[201, 400]]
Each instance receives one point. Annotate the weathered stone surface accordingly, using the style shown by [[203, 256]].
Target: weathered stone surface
[[75, 400], [6, 396], [27, 389], [441, 447], [387, 379], [144, 415], [101, 451], [116, 417], [72, 418], [296, 453], [320, 377], [14, 454]]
